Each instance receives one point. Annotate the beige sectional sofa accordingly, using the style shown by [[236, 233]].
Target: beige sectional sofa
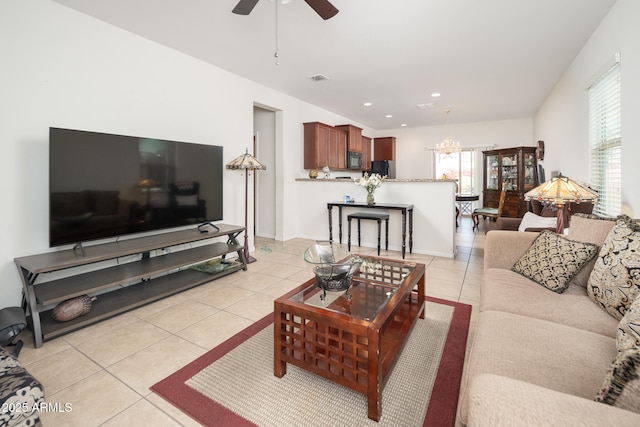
[[539, 357]]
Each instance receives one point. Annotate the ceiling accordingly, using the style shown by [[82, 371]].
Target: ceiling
[[489, 60]]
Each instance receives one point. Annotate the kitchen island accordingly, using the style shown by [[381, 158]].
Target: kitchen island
[[433, 214]]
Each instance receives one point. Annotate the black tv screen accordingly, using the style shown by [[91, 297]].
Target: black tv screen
[[103, 185]]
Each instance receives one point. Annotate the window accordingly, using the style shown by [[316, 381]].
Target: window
[[606, 141], [460, 166]]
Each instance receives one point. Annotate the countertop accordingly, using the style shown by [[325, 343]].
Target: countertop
[[386, 180]]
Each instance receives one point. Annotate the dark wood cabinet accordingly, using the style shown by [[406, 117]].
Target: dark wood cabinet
[[337, 149], [354, 137], [325, 145], [316, 145], [366, 153], [384, 148], [518, 167]]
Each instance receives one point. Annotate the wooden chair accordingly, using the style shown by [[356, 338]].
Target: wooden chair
[[490, 212]]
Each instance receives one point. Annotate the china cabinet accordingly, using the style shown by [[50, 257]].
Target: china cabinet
[[518, 167]]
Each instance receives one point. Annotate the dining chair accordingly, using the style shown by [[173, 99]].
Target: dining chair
[[490, 212]]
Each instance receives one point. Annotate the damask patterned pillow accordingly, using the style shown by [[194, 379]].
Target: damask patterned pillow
[[615, 280], [628, 333], [591, 229], [552, 260], [621, 386]]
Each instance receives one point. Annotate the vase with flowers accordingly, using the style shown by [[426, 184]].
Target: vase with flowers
[[370, 183]]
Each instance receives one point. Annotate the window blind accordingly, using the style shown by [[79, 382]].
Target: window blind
[[605, 120]]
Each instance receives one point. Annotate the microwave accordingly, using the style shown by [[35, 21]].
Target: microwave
[[354, 160]]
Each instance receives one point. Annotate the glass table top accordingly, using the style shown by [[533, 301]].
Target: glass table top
[[372, 287]]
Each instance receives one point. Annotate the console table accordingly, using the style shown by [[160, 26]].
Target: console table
[[404, 209], [123, 286]]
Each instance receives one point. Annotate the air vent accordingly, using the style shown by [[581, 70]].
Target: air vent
[[425, 106], [318, 77]]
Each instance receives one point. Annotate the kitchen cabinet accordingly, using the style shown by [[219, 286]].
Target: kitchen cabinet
[[337, 149], [518, 167], [366, 153], [316, 145], [384, 148], [354, 137], [324, 145]]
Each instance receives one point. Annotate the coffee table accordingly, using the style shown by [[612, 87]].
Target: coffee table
[[354, 342]]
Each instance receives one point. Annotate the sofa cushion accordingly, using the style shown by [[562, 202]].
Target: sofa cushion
[[507, 291], [621, 386], [500, 401], [590, 229], [531, 220], [628, 334], [615, 280], [539, 352], [553, 260]]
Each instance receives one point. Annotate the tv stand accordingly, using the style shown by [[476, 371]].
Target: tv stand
[[119, 286], [204, 224], [78, 246]]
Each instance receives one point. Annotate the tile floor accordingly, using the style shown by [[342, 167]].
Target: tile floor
[[104, 371]]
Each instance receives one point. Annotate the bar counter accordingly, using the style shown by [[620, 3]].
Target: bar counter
[[433, 203]]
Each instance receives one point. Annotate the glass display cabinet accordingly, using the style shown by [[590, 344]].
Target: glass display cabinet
[[518, 167]]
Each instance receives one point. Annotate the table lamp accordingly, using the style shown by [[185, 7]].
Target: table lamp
[[246, 162], [560, 191]]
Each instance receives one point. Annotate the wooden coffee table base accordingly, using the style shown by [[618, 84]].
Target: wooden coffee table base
[[355, 353]]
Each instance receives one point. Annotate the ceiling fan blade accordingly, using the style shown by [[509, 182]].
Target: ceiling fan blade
[[323, 8], [244, 7]]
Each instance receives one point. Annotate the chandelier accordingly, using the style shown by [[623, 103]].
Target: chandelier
[[448, 145]]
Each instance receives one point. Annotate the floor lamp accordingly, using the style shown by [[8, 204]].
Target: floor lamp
[[246, 162], [560, 191]]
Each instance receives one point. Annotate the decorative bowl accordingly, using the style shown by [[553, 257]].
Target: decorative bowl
[[329, 275]]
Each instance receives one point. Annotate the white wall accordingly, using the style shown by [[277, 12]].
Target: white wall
[[414, 145], [562, 120], [433, 217], [64, 69]]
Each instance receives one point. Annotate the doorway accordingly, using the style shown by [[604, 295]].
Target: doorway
[[264, 203]]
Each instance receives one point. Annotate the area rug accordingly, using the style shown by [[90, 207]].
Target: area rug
[[234, 385]]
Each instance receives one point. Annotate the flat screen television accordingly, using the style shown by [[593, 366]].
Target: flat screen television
[[103, 185]]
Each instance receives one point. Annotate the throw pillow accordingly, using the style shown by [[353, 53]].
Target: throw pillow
[[628, 333], [531, 220], [615, 280], [621, 386], [553, 260], [590, 229]]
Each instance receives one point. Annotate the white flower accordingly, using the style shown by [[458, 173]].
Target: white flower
[[370, 183]]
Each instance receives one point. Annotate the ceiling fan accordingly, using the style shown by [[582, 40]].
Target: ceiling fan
[[322, 7]]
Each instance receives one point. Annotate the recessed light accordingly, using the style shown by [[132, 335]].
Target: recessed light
[[403, 125], [367, 104], [435, 94], [388, 116]]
